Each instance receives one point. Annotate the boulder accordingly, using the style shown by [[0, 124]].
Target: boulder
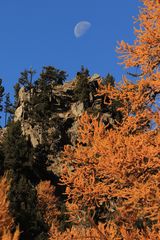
[[18, 113], [23, 96], [33, 133], [77, 109]]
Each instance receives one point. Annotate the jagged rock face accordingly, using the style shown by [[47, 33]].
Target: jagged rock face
[[61, 127], [73, 133], [77, 109], [95, 77], [65, 111], [23, 96], [18, 113], [34, 133]]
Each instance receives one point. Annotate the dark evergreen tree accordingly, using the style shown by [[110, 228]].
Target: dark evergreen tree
[[40, 153], [53, 76], [49, 77], [82, 89], [8, 108], [31, 73], [43, 91], [109, 79], [21, 157], [19, 163], [26, 79], [1, 160], [16, 94], [17, 149], [23, 208], [1, 96]]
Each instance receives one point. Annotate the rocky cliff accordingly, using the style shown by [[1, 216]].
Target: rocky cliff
[[60, 126]]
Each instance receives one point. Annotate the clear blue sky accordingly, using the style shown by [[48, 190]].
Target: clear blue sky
[[40, 32]]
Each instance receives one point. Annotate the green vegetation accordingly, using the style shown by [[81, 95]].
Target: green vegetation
[[16, 149], [19, 163], [108, 80], [82, 86], [16, 92], [1, 96], [24, 210], [26, 166], [49, 77], [26, 78], [8, 109]]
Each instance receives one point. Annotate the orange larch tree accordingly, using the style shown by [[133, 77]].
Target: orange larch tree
[[47, 202], [6, 220], [112, 176], [145, 51]]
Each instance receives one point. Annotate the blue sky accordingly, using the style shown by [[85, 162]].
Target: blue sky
[[41, 32]]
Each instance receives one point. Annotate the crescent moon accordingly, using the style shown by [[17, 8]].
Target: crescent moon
[[81, 28]]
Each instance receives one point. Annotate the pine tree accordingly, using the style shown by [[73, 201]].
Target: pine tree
[[31, 72], [16, 94], [26, 79], [49, 77], [53, 76], [109, 79], [82, 86], [22, 195], [8, 108], [24, 209], [16, 149], [1, 96], [40, 155]]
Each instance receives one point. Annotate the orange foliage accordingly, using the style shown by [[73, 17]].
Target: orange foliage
[[134, 98], [113, 175], [108, 232], [74, 233], [47, 202], [8, 236], [145, 51], [115, 170], [6, 220]]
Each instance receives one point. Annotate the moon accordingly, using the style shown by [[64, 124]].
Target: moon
[[81, 28]]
